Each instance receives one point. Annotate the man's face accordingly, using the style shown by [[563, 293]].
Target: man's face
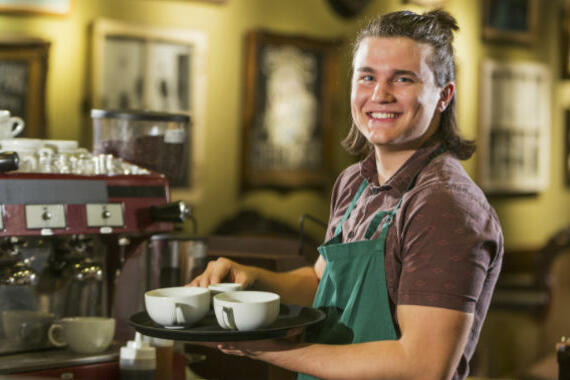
[[395, 101]]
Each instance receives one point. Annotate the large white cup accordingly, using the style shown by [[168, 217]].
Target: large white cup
[[86, 335], [246, 310], [177, 306], [10, 126]]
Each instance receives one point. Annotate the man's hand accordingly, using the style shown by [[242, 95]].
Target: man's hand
[[226, 270]]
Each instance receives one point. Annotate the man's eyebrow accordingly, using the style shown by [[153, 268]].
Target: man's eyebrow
[[405, 72], [367, 69]]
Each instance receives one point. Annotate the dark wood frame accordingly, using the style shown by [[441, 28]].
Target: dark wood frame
[[565, 41], [34, 54], [281, 178], [503, 33]]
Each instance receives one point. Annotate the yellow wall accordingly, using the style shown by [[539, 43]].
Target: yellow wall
[[527, 221]]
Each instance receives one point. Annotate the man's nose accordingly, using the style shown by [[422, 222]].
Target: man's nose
[[382, 93]]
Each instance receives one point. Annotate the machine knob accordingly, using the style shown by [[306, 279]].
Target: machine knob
[[46, 215], [106, 214]]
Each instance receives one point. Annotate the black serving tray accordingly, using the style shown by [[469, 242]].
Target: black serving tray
[[207, 330]]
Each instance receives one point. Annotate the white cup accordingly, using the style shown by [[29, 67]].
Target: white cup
[[223, 287], [10, 126], [177, 306], [85, 335], [246, 310]]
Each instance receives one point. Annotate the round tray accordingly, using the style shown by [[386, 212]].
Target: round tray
[[207, 330]]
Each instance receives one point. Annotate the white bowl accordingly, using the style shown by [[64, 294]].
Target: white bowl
[[177, 306], [246, 310]]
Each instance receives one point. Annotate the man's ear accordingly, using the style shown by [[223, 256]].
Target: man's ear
[[446, 96]]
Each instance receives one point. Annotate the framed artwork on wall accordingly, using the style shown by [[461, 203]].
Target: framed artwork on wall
[[510, 20], [514, 127], [290, 90], [141, 67], [54, 7], [23, 74]]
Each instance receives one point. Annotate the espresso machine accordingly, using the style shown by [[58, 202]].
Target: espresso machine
[[76, 245]]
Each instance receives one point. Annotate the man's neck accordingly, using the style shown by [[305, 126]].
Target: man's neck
[[389, 161]]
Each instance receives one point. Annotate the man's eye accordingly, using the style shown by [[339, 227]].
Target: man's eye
[[367, 78], [404, 79]]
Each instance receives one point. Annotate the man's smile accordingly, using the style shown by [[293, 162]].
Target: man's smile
[[383, 115]]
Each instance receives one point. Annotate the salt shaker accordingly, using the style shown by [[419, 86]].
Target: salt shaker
[[137, 360]]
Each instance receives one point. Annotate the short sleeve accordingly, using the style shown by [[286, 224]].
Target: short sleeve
[[450, 241]]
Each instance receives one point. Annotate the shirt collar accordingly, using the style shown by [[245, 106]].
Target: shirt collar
[[400, 180]]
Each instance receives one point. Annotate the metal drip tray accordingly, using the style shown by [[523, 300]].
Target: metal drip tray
[[53, 358]]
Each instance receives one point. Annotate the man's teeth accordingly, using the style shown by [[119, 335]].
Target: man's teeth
[[383, 115]]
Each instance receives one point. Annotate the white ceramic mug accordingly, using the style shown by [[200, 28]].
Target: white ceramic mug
[[10, 126], [246, 310], [86, 335], [177, 306]]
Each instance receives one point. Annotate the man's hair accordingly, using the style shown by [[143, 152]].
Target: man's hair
[[434, 28]]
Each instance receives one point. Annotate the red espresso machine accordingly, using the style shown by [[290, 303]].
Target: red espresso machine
[[73, 245]]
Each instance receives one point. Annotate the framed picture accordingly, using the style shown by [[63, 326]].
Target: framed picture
[[23, 72], [510, 20], [55, 7], [514, 129], [140, 67], [290, 90]]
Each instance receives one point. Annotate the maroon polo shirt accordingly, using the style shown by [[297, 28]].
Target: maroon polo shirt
[[445, 246]]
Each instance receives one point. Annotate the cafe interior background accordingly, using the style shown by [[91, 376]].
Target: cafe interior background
[[516, 73]]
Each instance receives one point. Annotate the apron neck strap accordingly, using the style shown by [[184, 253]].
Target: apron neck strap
[[350, 207]]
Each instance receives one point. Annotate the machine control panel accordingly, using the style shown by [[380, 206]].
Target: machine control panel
[[105, 215], [45, 216]]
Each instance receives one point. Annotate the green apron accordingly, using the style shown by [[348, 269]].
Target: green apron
[[353, 291]]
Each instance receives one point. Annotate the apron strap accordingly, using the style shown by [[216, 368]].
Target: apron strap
[[350, 207], [373, 226]]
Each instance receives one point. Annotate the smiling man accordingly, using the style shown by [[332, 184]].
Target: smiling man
[[413, 249]]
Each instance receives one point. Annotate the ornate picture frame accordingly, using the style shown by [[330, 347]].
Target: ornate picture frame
[[510, 20], [23, 76], [514, 127], [290, 91], [142, 67]]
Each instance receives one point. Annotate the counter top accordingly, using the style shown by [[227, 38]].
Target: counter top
[[53, 358]]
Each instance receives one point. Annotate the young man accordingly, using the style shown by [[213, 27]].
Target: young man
[[413, 249]]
